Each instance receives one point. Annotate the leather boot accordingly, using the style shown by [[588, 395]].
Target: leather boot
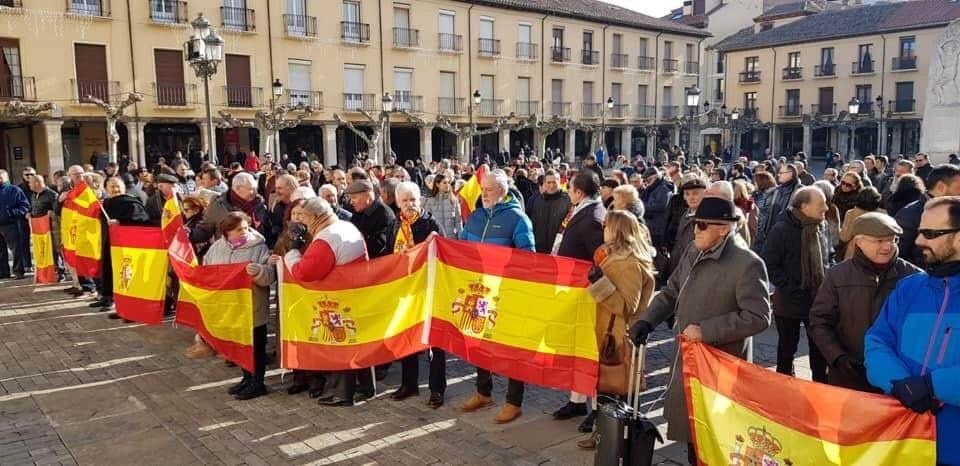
[[508, 413], [477, 401]]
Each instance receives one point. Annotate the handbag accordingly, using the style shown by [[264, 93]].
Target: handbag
[[614, 371]]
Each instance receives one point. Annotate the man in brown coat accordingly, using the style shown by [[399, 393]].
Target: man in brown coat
[[718, 294], [851, 296]]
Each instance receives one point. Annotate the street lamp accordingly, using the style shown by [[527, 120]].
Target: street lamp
[[881, 133], [735, 129], [204, 52], [853, 107], [477, 98], [387, 106], [693, 105], [277, 93], [603, 127], [693, 97]]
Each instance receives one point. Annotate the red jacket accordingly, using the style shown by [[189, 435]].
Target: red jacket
[[252, 163], [340, 243]]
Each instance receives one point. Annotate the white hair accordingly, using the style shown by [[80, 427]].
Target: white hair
[[317, 206], [289, 180], [328, 187], [243, 179], [501, 178], [303, 192], [826, 187], [408, 187]]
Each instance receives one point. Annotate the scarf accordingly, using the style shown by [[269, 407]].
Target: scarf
[[246, 207], [811, 252], [405, 233], [944, 270]]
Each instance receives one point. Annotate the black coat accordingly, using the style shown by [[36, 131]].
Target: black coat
[[127, 209], [421, 229], [43, 202], [909, 220], [546, 212], [376, 223], [781, 252], [584, 233]]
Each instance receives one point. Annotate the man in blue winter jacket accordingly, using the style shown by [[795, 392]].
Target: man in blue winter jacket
[[14, 206], [500, 221], [910, 351]]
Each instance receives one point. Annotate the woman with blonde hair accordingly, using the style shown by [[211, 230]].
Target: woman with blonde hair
[[621, 282]]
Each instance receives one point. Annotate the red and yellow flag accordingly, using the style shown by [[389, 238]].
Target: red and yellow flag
[[470, 192], [361, 315], [80, 231], [743, 414], [139, 261], [217, 302], [516, 313], [42, 241], [171, 219]]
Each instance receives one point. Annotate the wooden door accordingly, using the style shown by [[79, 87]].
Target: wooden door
[[168, 66], [91, 68], [239, 93]]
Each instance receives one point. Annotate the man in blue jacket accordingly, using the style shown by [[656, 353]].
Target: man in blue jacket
[[910, 352], [500, 221], [14, 207]]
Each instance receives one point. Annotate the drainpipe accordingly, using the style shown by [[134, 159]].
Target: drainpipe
[[656, 92], [603, 86], [543, 64], [141, 158], [276, 143], [383, 87], [881, 134], [385, 137], [773, 99], [469, 99]]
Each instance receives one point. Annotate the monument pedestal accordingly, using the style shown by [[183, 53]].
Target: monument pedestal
[[940, 131]]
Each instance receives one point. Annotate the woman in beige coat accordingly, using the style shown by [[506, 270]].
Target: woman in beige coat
[[622, 283]]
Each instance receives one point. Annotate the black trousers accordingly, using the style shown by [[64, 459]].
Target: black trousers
[[12, 238], [485, 387], [788, 330], [24, 245], [345, 384], [105, 282], [259, 354], [410, 371]]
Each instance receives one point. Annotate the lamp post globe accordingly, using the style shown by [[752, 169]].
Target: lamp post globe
[[277, 88], [693, 97], [610, 102], [853, 107], [387, 102], [477, 97]]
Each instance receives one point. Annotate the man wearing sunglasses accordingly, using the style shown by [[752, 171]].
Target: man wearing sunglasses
[[923, 166], [941, 181], [718, 295], [911, 351]]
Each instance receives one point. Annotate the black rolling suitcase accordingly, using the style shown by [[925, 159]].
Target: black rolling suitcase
[[625, 437]]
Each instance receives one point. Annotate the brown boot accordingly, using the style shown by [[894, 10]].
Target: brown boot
[[508, 413], [477, 401], [589, 443], [199, 350]]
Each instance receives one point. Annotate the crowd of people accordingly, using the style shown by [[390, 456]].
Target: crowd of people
[[865, 259]]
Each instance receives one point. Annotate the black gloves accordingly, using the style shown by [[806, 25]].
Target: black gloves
[[595, 274], [916, 393], [846, 363], [298, 235], [639, 332]]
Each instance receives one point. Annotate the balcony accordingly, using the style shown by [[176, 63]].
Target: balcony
[[749, 113], [526, 51], [167, 12], [646, 112], [99, 8], [670, 66], [862, 67], [619, 111], [18, 88], [590, 57], [11, 4], [527, 107], [407, 102], [560, 109], [691, 67], [792, 73], [84, 89], [825, 70], [590, 110], [353, 32], [865, 108], [669, 111], [619, 60], [488, 47], [404, 38], [174, 94], [902, 106], [450, 42], [646, 63], [451, 106], [823, 109], [560, 54], [238, 19], [904, 63], [242, 96], [300, 26], [791, 111], [750, 76], [491, 107], [306, 98], [357, 103]]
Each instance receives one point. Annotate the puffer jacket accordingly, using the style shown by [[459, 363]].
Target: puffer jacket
[[504, 225], [775, 209], [446, 211], [255, 251], [917, 323], [846, 305], [14, 204], [656, 200], [546, 212]]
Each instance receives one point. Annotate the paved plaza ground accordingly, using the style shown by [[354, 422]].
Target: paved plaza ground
[[78, 388]]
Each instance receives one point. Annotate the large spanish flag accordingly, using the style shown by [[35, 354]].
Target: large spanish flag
[[742, 414], [171, 219], [139, 272], [519, 314], [361, 315], [42, 241], [217, 302], [470, 192], [80, 231]]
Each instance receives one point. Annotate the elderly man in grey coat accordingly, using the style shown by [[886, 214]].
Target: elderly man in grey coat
[[718, 295]]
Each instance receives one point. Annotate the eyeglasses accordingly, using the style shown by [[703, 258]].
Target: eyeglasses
[[701, 225], [934, 234], [846, 184]]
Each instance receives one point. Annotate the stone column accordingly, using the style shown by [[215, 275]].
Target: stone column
[[676, 135], [135, 141], [775, 142], [267, 144], [426, 144], [53, 140], [652, 143], [329, 145], [842, 138], [539, 143], [882, 138], [626, 142], [808, 141], [897, 141], [570, 145], [204, 139], [504, 140]]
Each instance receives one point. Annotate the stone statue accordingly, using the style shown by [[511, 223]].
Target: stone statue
[[940, 132]]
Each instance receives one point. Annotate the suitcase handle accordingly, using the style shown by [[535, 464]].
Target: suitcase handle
[[637, 357]]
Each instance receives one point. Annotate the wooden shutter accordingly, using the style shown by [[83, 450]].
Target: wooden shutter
[[239, 93], [91, 66], [168, 65]]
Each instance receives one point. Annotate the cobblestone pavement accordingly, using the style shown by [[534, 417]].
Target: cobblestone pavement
[[78, 388]]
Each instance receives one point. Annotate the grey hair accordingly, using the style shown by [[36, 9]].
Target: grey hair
[[389, 186], [289, 180], [328, 187], [826, 187], [501, 178], [408, 187], [804, 195], [317, 206], [243, 179], [303, 192]]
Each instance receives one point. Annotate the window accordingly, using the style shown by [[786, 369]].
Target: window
[[90, 62], [403, 89], [793, 103], [353, 87], [826, 56], [488, 46], [352, 29], [904, 95], [587, 41], [556, 94], [524, 105], [720, 60], [751, 63], [163, 11], [618, 43], [668, 50], [558, 52], [643, 47], [766, 26], [616, 89], [588, 92], [486, 28], [691, 53], [558, 37], [864, 62], [525, 47], [750, 100], [825, 102], [86, 7], [642, 91], [864, 94], [487, 91], [11, 81], [299, 85], [908, 46], [235, 15], [447, 103], [793, 60], [447, 37], [719, 90], [667, 95]]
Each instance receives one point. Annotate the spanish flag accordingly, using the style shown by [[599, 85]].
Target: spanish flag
[[80, 231], [470, 192], [139, 261], [516, 313], [217, 302], [171, 219], [42, 241], [742, 414], [361, 315]]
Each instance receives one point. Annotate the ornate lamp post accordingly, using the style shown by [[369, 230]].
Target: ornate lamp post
[[735, 130], [693, 103], [853, 108], [477, 99], [204, 52], [881, 133], [602, 143], [387, 104], [277, 88]]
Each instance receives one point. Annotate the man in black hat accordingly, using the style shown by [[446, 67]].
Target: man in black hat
[[165, 190], [724, 302]]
